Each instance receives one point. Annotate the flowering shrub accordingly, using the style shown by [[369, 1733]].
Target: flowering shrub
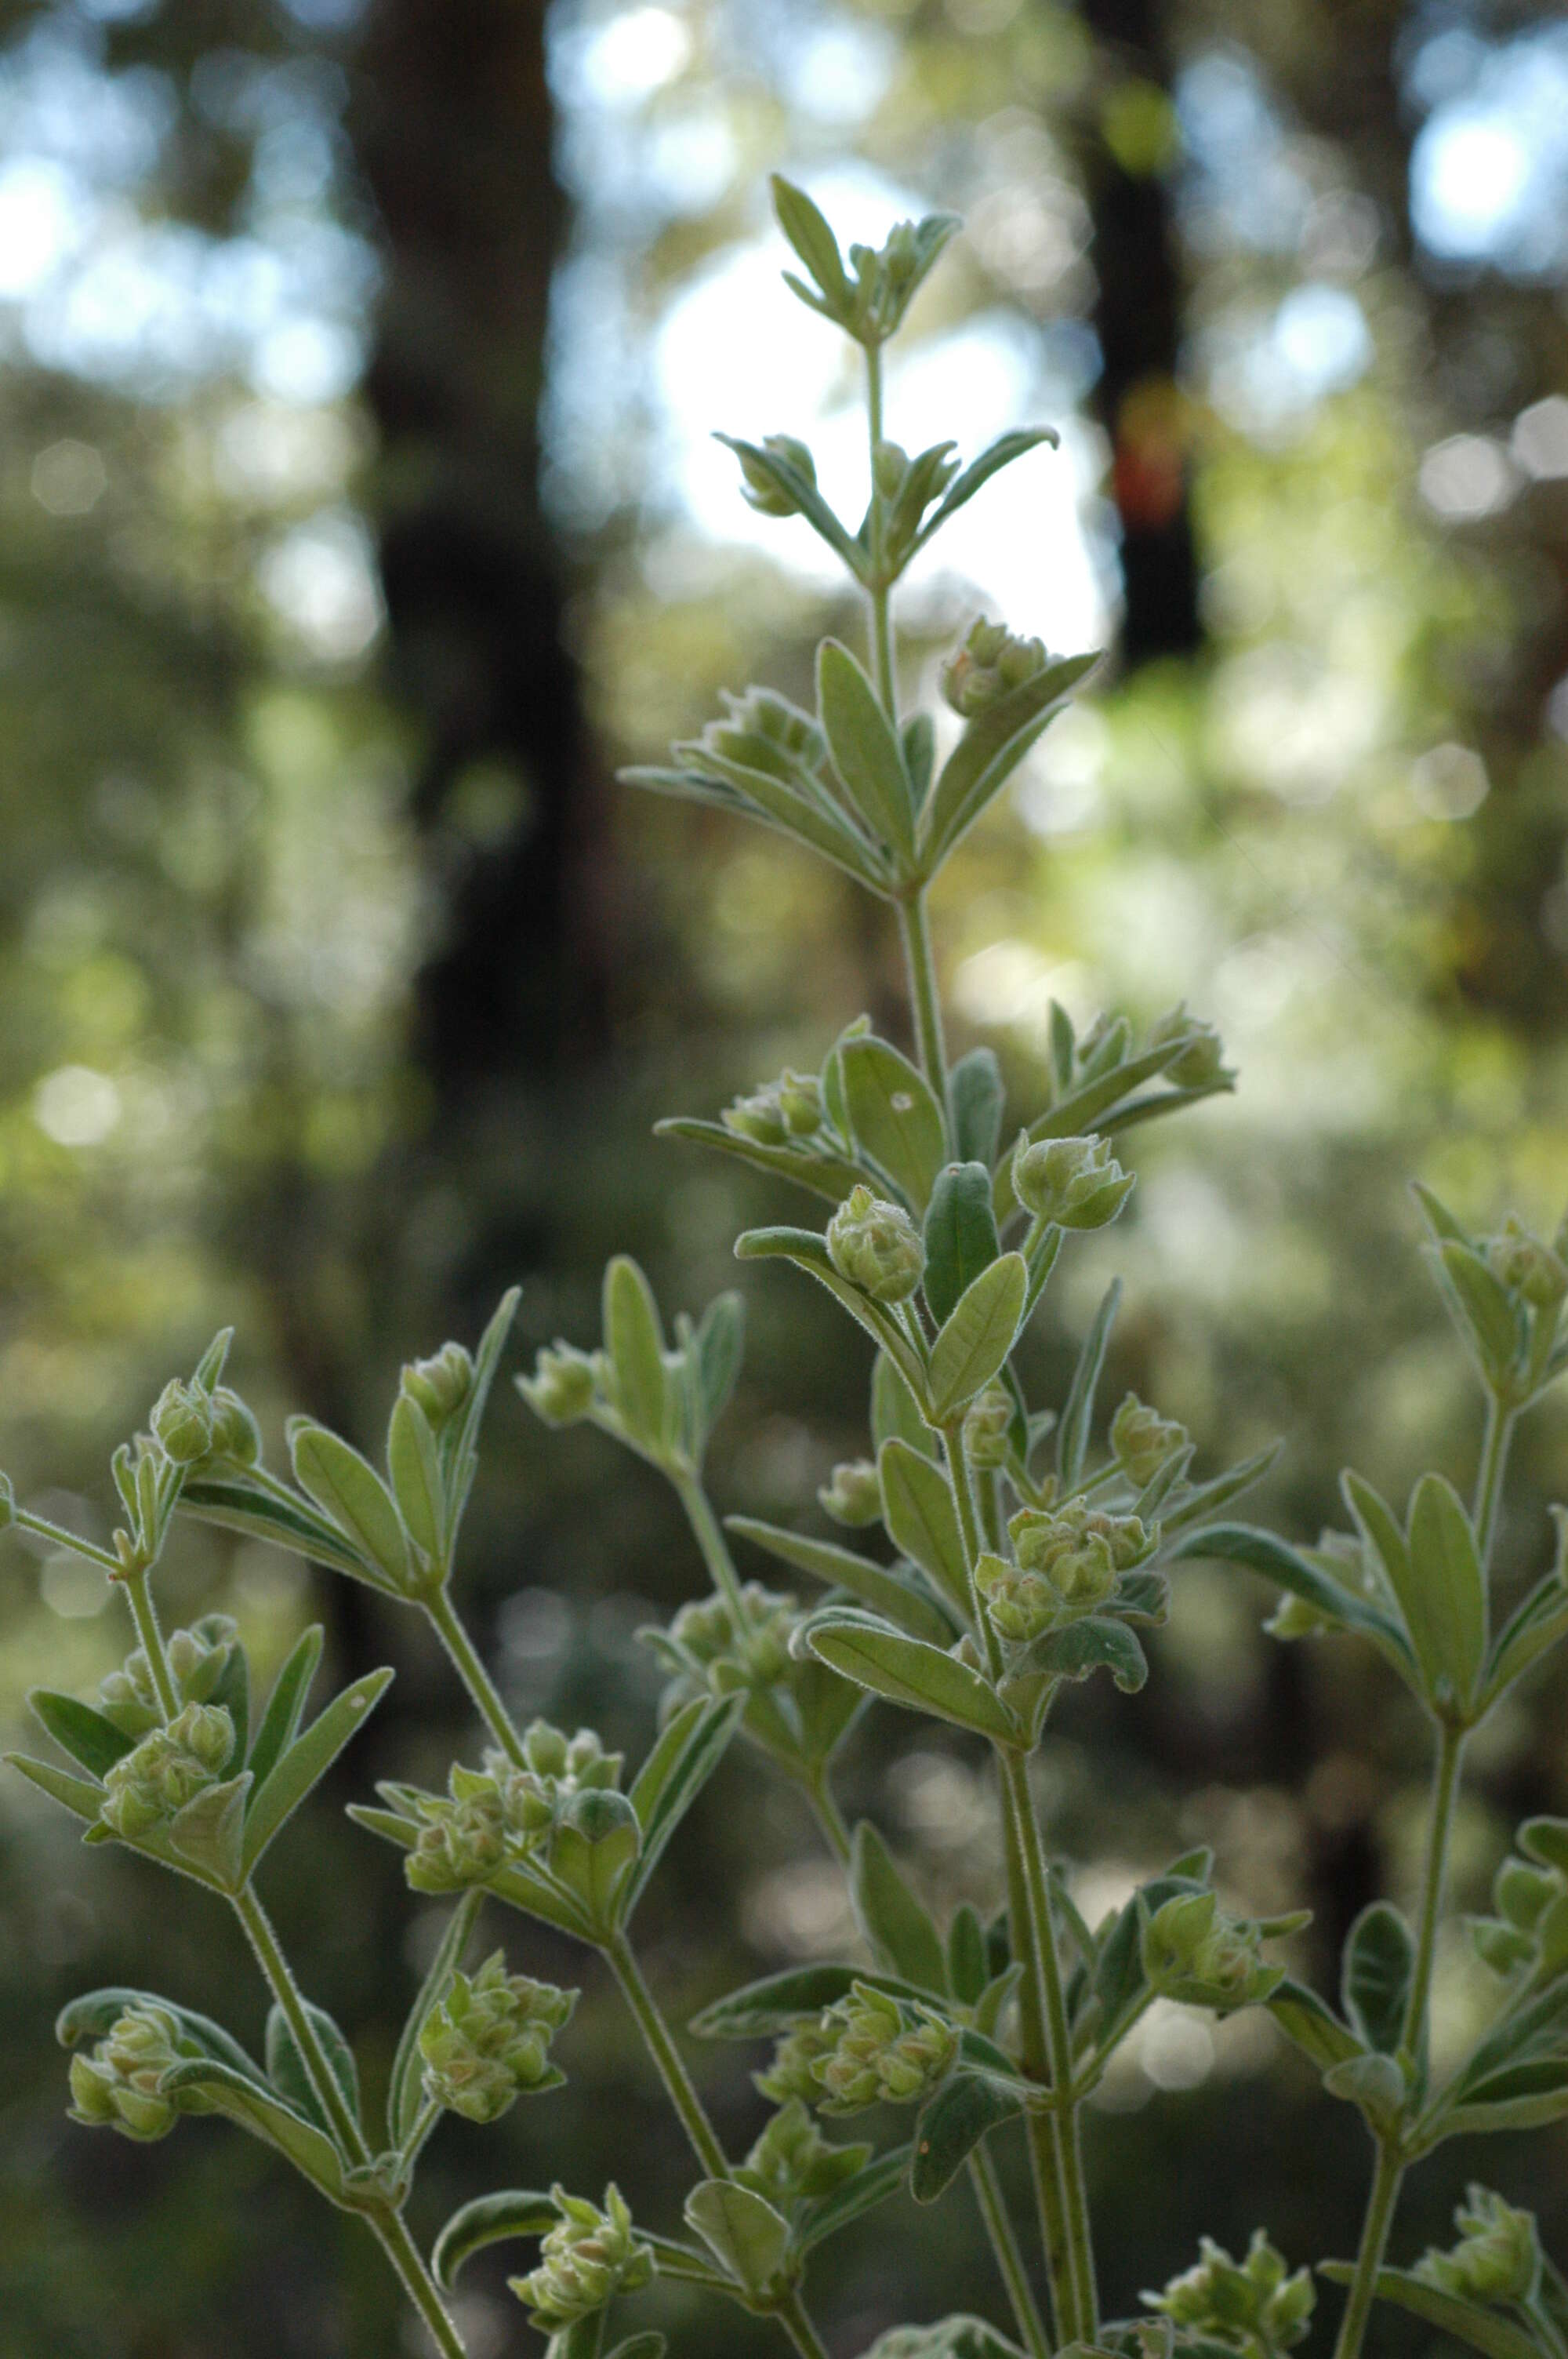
[[1024, 1555]]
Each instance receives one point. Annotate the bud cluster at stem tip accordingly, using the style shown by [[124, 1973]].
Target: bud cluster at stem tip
[[1497, 2257], [1254, 2305], [488, 2042], [989, 663], [117, 2083], [1069, 1560], [876, 1246], [1070, 1183], [498, 1813], [871, 2049], [146, 1786], [586, 2257]]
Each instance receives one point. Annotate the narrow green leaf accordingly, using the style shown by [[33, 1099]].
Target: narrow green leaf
[[80, 1797], [288, 1522], [1378, 1962], [405, 2093], [811, 237], [977, 1095], [1537, 1624], [977, 1336], [1260, 1551], [799, 805], [922, 1518], [635, 1341], [961, 1235], [720, 1344], [415, 1466], [894, 1411], [883, 1588], [906, 1671], [1205, 1498], [1314, 2026], [667, 1787], [996, 455], [825, 1175], [210, 1830], [990, 750], [809, 1252], [743, 2232], [511, 2212], [281, 1719], [1440, 1219], [900, 1930], [93, 1743], [865, 750], [95, 2013], [856, 2196], [1446, 1610], [919, 743], [896, 1120], [225, 2091], [1485, 1314], [308, 1760], [1077, 1416], [761, 2010], [462, 1439], [1467, 2322], [286, 2066], [349, 1491], [951, 2125]]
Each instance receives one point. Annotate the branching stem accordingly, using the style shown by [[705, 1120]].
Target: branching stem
[[708, 1533], [482, 1688], [143, 1614]]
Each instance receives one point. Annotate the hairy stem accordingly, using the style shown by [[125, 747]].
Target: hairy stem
[[1489, 1475], [1380, 2201], [1445, 1786], [661, 2047], [792, 2317], [709, 1536], [143, 1614], [482, 1688], [880, 593], [392, 2233], [993, 2211], [829, 1818], [915, 931]]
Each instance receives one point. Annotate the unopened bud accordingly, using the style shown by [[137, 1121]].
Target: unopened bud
[[464, 1838], [1202, 1060], [876, 1246], [792, 2072], [1526, 1266], [1074, 1183], [1141, 1440], [488, 2042], [586, 2257], [1498, 2258], [854, 1496], [792, 2161], [236, 1436], [778, 1111], [440, 1384], [182, 1421], [169, 1768], [986, 1424], [561, 1388], [117, 2084], [883, 2050], [1252, 2306], [890, 464], [1195, 1954], [761, 490], [1019, 1605], [1080, 1550], [989, 665]]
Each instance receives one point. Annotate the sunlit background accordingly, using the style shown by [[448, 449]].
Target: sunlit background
[[358, 514]]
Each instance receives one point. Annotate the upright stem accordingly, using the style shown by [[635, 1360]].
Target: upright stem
[[1380, 2201], [392, 2233], [144, 1612], [667, 2055], [1489, 1477], [475, 1678], [993, 2210], [830, 1819], [709, 1537], [915, 931], [1445, 1785], [880, 592]]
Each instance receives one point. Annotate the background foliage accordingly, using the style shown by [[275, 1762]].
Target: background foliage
[[356, 365]]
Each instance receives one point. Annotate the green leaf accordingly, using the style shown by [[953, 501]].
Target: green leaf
[[415, 1466], [1314, 2026], [961, 1235], [95, 2013], [977, 1336], [286, 2065], [308, 1760], [1093, 1643], [865, 750], [210, 1830], [922, 1518], [761, 2010], [743, 2231], [967, 1968], [990, 750], [265, 1514], [886, 1589], [825, 1175], [906, 1671], [895, 1411], [858, 2195], [231, 1690], [1523, 2097], [901, 1933], [281, 1719], [977, 1095], [809, 1252], [459, 1442], [1378, 1962], [511, 2212], [80, 1797], [1483, 1312], [808, 499], [919, 743], [635, 1343], [93, 1743], [351, 1495], [225, 2090], [996, 455], [896, 1120], [1440, 1219], [1446, 1609], [650, 2345], [671, 1778], [811, 237], [1467, 2322], [1260, 1551], [1077, 1416], [951, 2125], [404, 2094], [771, 800], [720, 1344], [1204, 1498], [1535, 1625]]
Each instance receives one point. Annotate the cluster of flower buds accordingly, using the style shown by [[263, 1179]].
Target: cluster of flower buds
[[1530, 1897], [1535, 1272], [1071, 1183], [776, 1112], [197, 1659], [439, 1386], [875, 1245], [565, 1384], [117, 2083], [869, 2049], [989, 665], [792, 2162], [589, 2255], [1201, 1060], [488, 2042], [496, 1814], [1193, 1952], [763, 731], [1142, 1441], [854, 1495], [762, 489], [704, 1646], [1256, 2306], [169, 1767], [1069, 1560], [193, 1427], [1497, 2257], [986, 1424]]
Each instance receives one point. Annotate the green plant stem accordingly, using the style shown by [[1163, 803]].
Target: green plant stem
[[829, 1818], [143, 1614], [993, 2211], [475, 1678], [666, 2057], [1043, 2130], [1445, 1786], [384, 2220], [881, 590], [25, 1521], [709, 1536], [915, 931], [792, 2317], [1380, 2201], [1489, 1477]]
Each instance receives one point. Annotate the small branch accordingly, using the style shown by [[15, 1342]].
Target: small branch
[[482, 1688], [999, 2225]]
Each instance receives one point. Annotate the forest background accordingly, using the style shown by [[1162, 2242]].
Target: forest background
[[357, 515]]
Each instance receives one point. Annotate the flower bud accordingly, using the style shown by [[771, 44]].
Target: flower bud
[[1075, 1183], [1254, 2305], [236, 1437], [882, 2052], [792, 2072], [777, 1112], [586, 2257], [889, 465], [854, 1496], [762, 490], [986, 1424], [876, 1246], [989, 665], [1498, 2258], [1080, 1550], [1202, 1060], [463, 1840], [1195, 1954], [561, 1388], [441, 1385], [169, 1768], [182, 1421], [793, 2161], [1526, 1266], [489, 2040], [117, 2084], [1019, 1605], [1141, 1440]]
